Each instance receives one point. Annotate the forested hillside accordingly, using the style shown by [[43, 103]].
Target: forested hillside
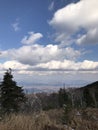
[[67, 109]]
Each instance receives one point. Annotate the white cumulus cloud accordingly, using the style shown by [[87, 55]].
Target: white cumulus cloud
[[91, 37], [74, 17], [14, 65], [35, 54], [32, 38], [69, 65]]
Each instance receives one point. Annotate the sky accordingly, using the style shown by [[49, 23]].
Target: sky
[[49, 43]]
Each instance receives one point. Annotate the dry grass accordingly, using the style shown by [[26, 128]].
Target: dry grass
[[51, 120], [87, 121], [29, 122], [55, 115]]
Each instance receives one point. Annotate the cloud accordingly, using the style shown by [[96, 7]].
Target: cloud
[[16, 26], [89, 65], [52, 73], [46, 58], [51, 66], [51, 6], [14, 65], [69, 21], [35, 54], [69, 65], [32, 38], [90, 37]]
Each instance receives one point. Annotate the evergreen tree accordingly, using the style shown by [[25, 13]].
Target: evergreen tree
[[63, 97], [11, 95], [89, 102]]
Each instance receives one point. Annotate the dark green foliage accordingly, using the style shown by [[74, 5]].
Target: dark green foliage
[[89, 102], [11, 94], [66, 111], [63, 97], [86, 96], [90, 93]]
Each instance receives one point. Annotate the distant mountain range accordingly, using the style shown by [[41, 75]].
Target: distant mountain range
[[90, 86], [40, 90], [56, 88]]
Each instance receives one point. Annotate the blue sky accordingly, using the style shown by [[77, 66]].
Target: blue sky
[[49, 42]]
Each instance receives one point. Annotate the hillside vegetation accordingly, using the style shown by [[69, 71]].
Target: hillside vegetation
[[52, 120], [67, 109]]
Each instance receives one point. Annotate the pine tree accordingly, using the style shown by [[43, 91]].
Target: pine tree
[[88, 98], [63, 97], [11, 95]]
